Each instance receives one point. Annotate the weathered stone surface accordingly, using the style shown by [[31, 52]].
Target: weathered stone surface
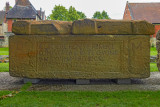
[[158, 35], [112, 27], [80, 57], [42, 27], [158, 49], [158, 45], [21, 27], [158, 60], [85, 26], [142, 28]]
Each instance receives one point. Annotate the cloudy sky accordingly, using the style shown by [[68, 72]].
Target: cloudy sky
[[114, 8]]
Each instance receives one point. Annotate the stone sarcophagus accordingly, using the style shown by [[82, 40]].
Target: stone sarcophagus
[[84, 49]]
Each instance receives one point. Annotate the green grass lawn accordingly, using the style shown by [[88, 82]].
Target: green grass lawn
[[4, 51], [153, 67], [4, 67], [84, 99], [153, 51]]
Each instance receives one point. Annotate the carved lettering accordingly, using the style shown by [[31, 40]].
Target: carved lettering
[[76, 55]]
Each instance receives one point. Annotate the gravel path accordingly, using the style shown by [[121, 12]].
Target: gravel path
[[11, 83]]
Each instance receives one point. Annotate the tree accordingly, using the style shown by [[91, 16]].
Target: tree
[[49, 17], [59, 13], [81, 14], [105, 15], [99, 15], [72, 14]]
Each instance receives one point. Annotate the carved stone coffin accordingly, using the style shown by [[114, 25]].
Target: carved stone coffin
[[81, 55]]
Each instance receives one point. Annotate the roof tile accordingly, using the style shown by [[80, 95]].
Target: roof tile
[[22, 10], [2, 16], [146, 11]]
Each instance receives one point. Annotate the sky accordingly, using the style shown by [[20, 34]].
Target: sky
[[114, 8]]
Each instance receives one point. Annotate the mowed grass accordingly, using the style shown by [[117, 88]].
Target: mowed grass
[[4, 51], [153, 67], [153, 51], [4, 67], [82, 99]]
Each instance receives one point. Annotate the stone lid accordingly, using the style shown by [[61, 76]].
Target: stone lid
[[112, 27], [84, 27], [42, 27]]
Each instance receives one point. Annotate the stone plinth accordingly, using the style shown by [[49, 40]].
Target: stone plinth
[[77, 56]]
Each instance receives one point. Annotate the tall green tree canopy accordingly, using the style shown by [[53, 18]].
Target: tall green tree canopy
[[99, 15], [105, 15], [72, 14], [81, 14], [61, 13]]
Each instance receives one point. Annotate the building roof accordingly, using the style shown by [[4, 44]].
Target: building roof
[[23, 9], [145, 11], [2, 16]]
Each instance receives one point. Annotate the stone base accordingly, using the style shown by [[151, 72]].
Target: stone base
[[82, 81], [33, 81], [123, 81]]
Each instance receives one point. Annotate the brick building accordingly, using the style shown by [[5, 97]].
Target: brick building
[[144, 11], [22, 10], [3, 27], [2, 17]]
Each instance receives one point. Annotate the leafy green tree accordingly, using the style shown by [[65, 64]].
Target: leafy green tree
[[105, 15], [72, 14], [81, 14], [99, 15], [59, 13]]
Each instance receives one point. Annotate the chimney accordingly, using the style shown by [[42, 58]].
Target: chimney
[[16, 1], [41, 13], [7, 6]]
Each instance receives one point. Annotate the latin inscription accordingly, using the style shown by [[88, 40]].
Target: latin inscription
[[79, 55]]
